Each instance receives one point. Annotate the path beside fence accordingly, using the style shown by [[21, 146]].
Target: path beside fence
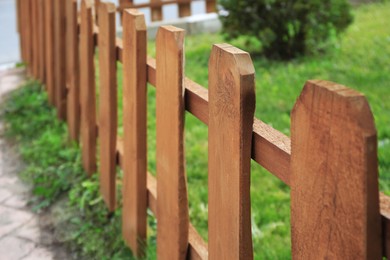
[[21, 234]]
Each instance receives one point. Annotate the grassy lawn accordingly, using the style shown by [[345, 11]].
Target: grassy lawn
[[361, 61]]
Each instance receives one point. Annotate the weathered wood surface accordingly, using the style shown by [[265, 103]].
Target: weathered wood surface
[[49, 45], [231, 109], [108, 105], [87, 89], [134, 127], [60, 58], [334, 175], [72, 70], [172, 201]]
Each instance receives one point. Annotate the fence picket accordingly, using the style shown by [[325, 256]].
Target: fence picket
[[49, 55], [172, 201], [107, 102], [184, 9], [87, 89], [35, 38], [334, 175], [42, 46], [60, 62], [72, 76], [156, 11], [211, 6], [231, 107], [134, 128], [29, 36]]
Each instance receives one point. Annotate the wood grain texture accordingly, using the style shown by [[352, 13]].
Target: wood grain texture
[[49, 52], [108, 115], [60, 58], [87, 89], [334, 175], [72, 71], [134, 127], [172, 200], [231, 110]]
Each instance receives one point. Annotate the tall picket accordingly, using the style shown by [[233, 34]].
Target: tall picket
[[334, 175]]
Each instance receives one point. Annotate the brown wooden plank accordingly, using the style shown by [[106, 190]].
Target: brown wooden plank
[[172, 201], [49, 53], [385, 212], [152, 193], [42, 46], [271, 149], [29, 37], [96, 11], [184, 8], [211, 6], [198, 248], [21, 26], [108, 117], [35, 39], [156, 12], [72, 71], [87, 89], [231, 110], [334, 175], [134, 131], [60, 58]]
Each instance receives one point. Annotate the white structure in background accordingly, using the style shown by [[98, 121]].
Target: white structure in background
[[198, 22]]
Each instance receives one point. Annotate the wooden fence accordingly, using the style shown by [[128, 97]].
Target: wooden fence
[[330, 163], [155, 6]]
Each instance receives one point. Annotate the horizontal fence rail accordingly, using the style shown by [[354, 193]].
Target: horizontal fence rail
[[184, 7], [330, 162]]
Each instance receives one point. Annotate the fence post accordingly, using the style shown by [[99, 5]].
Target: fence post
[[184, 9], [134, 128], [42, 46], [107, 102], [28, 35], [231, 111], [35, 38], [172, 200], [49, 55], [87, 89], [334, 175], [211, 6], [72, 79], [60, 58], [156, 11]]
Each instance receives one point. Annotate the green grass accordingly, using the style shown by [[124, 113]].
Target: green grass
[[360, 61]]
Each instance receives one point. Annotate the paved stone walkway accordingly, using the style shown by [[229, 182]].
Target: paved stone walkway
[[20, 233]]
